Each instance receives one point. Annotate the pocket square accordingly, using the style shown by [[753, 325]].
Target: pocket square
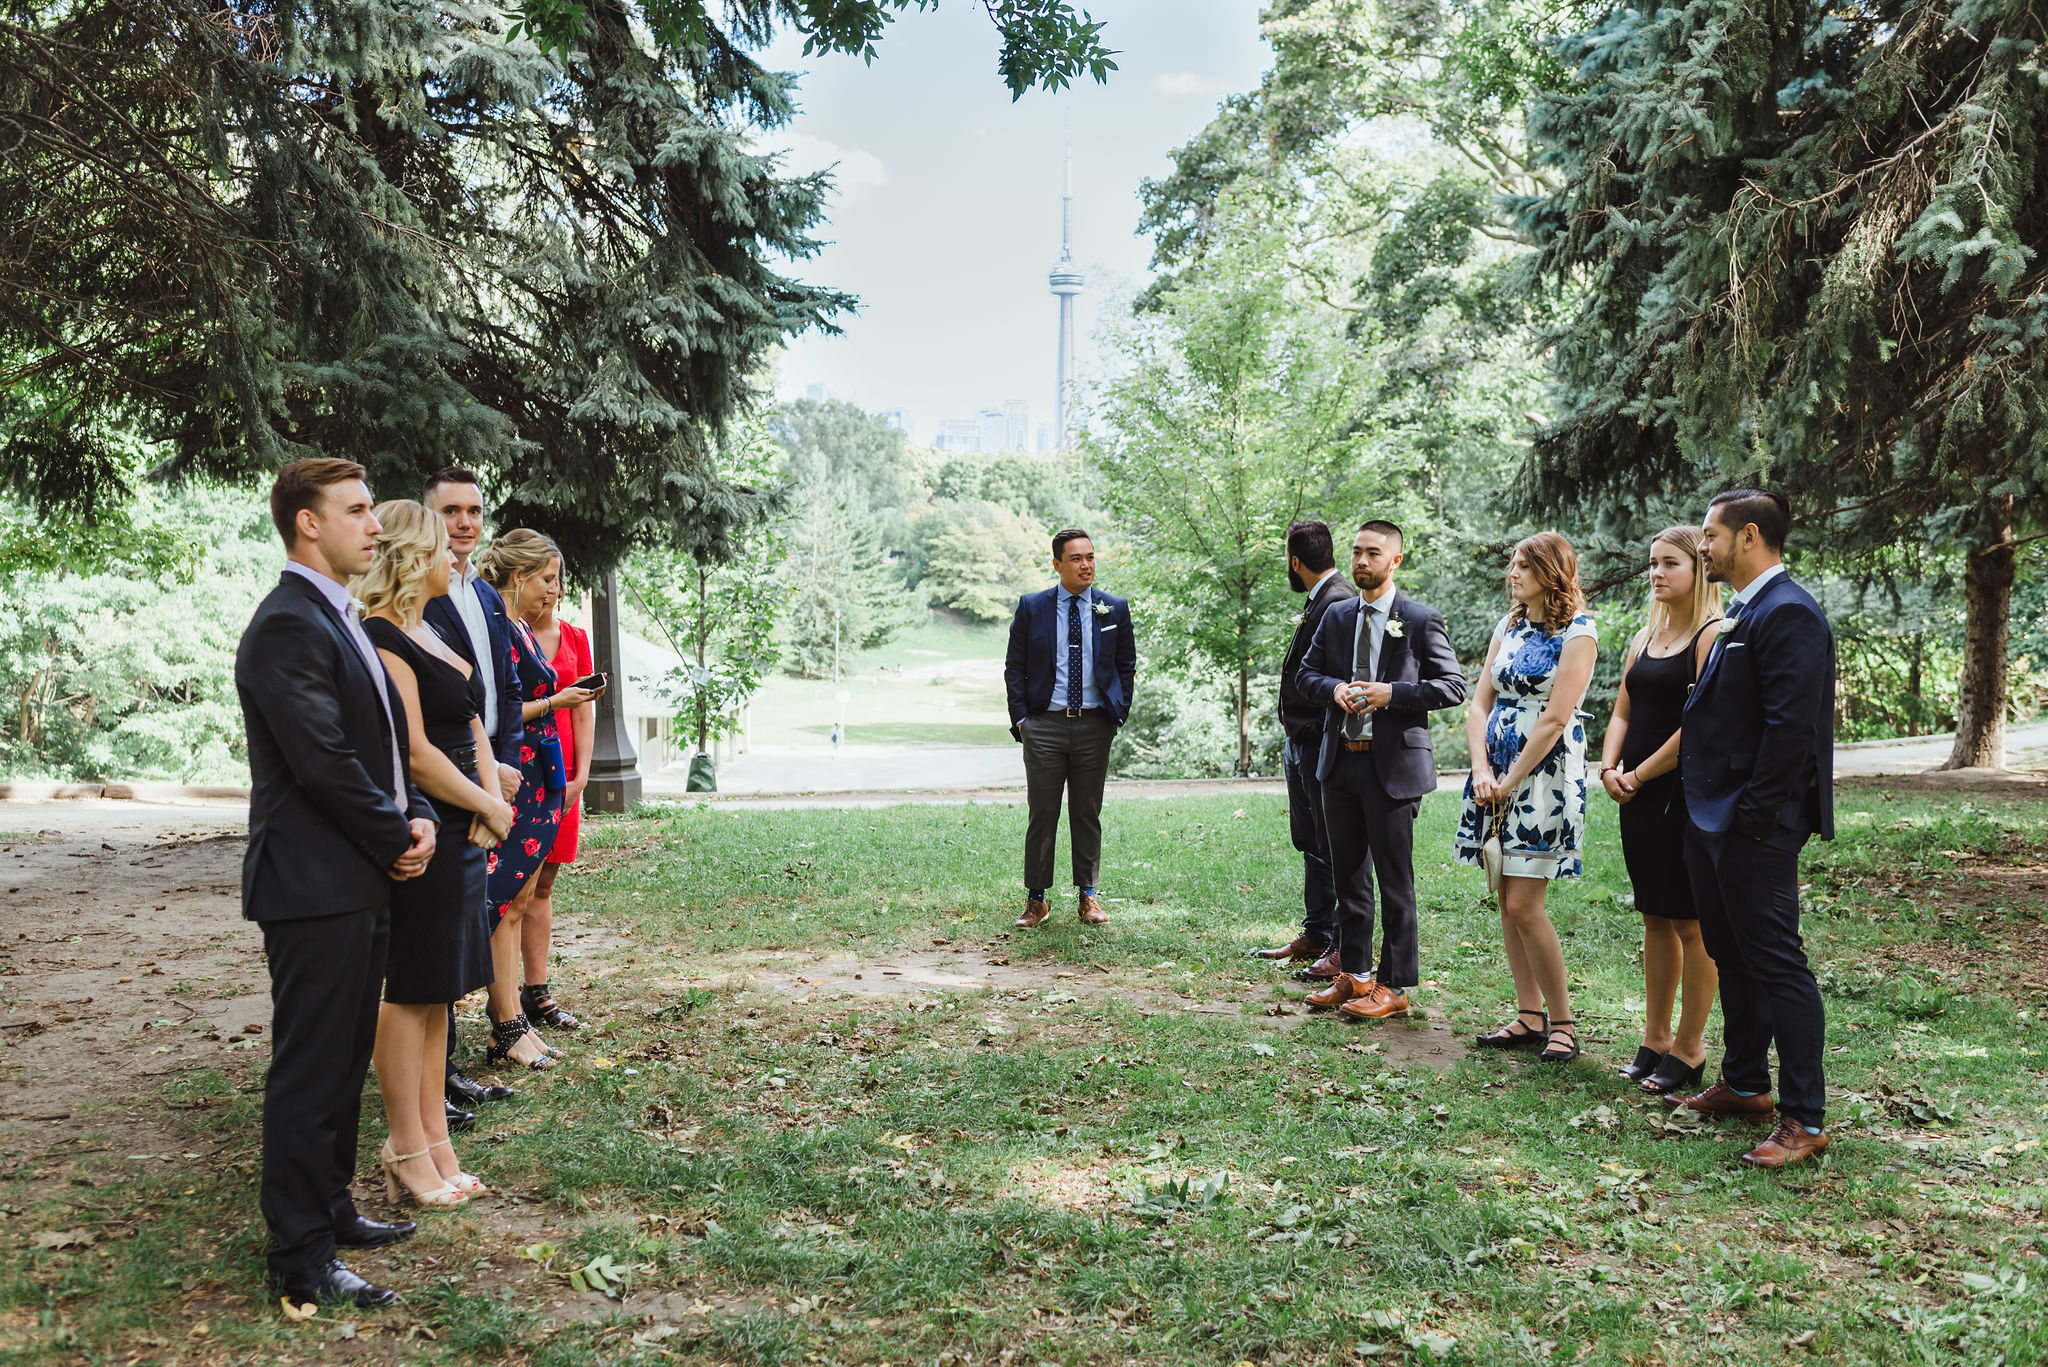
[[1107, 630]]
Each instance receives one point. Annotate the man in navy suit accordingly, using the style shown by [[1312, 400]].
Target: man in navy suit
[[333, 819], [1756, 755], [1069, 673], [471, 618], [1379, 665]]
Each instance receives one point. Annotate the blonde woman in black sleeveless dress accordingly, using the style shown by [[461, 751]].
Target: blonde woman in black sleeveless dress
[[1639, 770]]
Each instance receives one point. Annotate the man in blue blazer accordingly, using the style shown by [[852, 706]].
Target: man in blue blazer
[[1756, 759], [471, 618], [334, 818], [1069, 673], [1379, 665]]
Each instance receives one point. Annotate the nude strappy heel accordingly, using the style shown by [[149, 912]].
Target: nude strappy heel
[[461, 1181], [394, 1187]]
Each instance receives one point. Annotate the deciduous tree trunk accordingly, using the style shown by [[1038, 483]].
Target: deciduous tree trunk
[[1244, 720], [1987, 606]]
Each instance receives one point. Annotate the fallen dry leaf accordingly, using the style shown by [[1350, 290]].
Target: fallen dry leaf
[[66, 1238]]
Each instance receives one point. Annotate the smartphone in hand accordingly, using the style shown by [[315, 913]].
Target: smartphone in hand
[[593, 683]]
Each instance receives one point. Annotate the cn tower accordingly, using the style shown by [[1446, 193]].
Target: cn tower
[[1065, 281]]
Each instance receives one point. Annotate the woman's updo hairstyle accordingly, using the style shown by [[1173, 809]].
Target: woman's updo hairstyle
[[396, 581], [513, 556]]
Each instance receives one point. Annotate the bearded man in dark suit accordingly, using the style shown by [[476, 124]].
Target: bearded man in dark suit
[[1756, 757], [333, 819], [1311, 570], [1379, 665], [1069, 673]]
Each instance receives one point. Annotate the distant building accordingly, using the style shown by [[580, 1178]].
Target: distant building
[[1045, 439], [1016, 426], [1066, 281], [959, 434], [901, 421], [819, 392], [992, 427]]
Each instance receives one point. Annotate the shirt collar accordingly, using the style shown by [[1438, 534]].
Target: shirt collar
[[1756, 585], [1321, 579], [337, 596], [1085, 595]]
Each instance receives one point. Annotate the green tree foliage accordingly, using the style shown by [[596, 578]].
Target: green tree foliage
[[401, 231], [834, 439], [1235, 412], [844, 592], [978, 558], [1043, 488], [1805, 245]]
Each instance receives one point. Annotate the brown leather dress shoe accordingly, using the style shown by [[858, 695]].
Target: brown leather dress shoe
[[1035, 910], [1721, 1099], [1379, 1003], [1323, 970], [1300, 950], [1788, 1144], [1092, 913], [1342, 988]]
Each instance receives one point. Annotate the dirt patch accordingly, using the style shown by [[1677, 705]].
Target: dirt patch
[[797, 978], [1990, 782]]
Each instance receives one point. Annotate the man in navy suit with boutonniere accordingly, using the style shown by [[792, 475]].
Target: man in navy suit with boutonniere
[[1380, 663], [1069, 673], [1756, 756]]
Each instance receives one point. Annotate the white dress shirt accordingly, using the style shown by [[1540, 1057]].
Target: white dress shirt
[[469, 606], [344, 607], [1756, 586]]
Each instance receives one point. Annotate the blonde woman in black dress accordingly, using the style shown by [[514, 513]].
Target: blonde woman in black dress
[[440, 932], [1639, 770]]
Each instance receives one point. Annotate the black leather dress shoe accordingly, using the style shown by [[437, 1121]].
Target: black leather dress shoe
[[458, 1119], [465, 1090], [363, 1233], [329, 1283]]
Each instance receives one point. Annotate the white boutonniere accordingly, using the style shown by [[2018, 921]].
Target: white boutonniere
[[1101, 609], [1727, 625], [1395, 626]]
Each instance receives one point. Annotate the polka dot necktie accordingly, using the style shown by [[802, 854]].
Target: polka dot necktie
[[1073, 652]]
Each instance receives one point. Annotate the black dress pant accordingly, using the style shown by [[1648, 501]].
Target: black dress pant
[[1747, 892], [1305, 825], [1372, 833], [1065, 757], [326, 976]]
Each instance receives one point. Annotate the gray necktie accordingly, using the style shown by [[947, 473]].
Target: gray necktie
[[1358, 725]]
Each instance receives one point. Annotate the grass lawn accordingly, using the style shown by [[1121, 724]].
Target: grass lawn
[[913, 690], [1118, 1155]]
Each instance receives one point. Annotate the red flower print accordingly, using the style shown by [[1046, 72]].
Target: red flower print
[[526, 754], [555, 817], [491, 864], [532, 846], [504, 907]]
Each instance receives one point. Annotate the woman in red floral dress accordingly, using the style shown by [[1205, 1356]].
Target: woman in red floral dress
[[522, 564], [568, 650]]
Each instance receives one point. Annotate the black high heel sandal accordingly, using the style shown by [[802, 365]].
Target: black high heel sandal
[[1647, 1061], [505, 1034], [1551, 1053], [539, 1004], [1674, 1074], [1509, 1038]]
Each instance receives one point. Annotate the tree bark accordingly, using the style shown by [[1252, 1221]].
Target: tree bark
[[1987, 607], [1244, 720]]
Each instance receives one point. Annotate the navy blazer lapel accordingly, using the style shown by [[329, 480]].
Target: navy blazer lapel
[[1741, 628], [387, 715], [1389, 642]]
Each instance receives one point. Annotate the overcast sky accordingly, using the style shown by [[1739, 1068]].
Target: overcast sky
[[947, 215]]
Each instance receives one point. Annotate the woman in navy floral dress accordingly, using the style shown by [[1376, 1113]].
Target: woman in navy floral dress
[[1528, 743], [517, 563]]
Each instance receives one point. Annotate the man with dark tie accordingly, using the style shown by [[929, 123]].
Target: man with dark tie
[[1069, 674], [1311, 570], [1756, 759], [333, 819], [1379, 665]]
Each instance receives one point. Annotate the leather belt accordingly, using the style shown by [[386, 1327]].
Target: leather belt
[[463, 757], [1078, 711], [1355, 746]]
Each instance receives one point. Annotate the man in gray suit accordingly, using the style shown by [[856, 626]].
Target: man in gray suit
[[1380, 664]]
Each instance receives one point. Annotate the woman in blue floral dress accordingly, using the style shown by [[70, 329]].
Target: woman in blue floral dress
[[1528, 743]]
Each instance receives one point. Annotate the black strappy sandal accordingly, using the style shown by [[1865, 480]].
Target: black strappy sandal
[[505, 1034], [539, 1004], [1674, 1074], [1646, 1062], [1509, 1038], [1551, 1053]]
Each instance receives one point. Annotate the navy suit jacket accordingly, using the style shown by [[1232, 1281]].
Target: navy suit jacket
[[1424, 671], [323, 828], [1756, 751], [1035, 635], [440, 614]]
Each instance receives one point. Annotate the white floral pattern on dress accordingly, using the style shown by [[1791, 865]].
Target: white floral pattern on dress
[[1545, 828]]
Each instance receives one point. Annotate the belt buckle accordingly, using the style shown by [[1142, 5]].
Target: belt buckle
[[1071, 711]]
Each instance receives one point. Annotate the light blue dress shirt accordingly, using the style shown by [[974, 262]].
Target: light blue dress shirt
[[1091, 696]]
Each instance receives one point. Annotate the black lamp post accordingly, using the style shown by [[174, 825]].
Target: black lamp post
[[614, 764]]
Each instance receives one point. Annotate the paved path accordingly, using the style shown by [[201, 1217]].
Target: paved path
[[2026, 747]]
